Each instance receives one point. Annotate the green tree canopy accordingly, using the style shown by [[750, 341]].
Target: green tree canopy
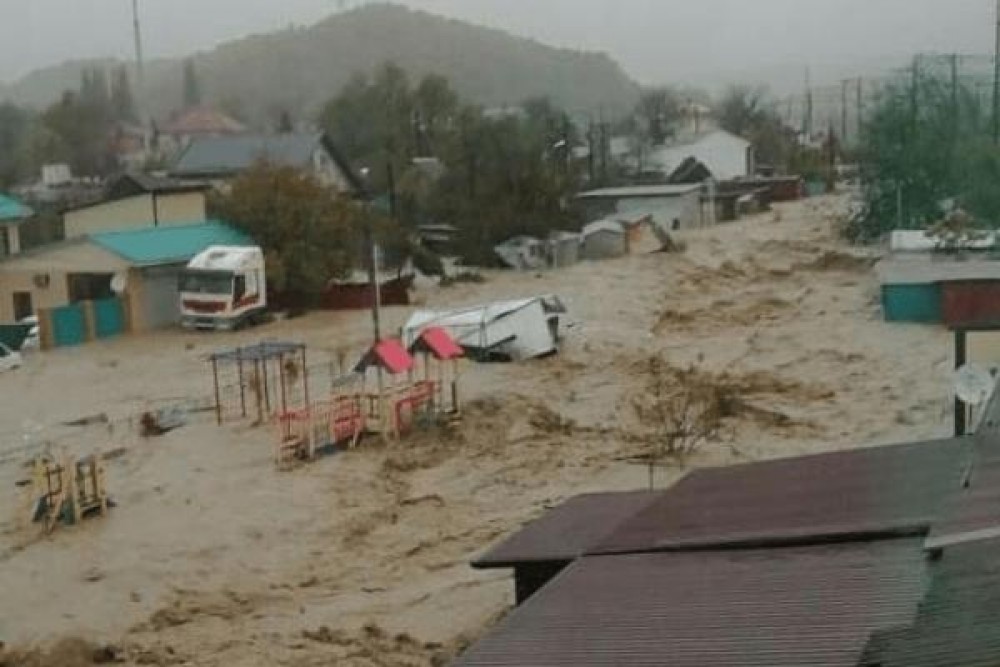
[[309, 233]]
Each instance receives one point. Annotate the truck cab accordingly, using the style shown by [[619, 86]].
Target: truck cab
[[223, 288]]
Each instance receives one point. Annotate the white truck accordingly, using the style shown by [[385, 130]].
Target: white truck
[[223, 287]]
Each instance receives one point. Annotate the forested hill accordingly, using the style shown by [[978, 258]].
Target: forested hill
[[299, 68]]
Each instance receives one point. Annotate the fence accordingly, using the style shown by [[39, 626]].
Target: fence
[[79, 323]]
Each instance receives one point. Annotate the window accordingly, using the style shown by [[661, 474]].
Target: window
[[239, 287]]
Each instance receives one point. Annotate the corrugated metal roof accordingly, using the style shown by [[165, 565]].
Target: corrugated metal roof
[[920, 270], [228, 154], [972, 513], [958, 621], [639, 191], [799, 606], [835, 496], [607, 225], [11, 210], [168, 245], [569, 530]]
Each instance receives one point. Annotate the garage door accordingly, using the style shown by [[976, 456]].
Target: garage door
[[160, 297]]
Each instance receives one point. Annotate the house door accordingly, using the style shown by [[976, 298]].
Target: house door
[[22, 305]]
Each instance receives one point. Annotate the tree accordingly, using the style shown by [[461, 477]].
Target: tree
[[680, 411], [14, 124], [657, 113], [122, 102], [285, 124], [192, 86], [927, 141], [82, 122], [749, 112], [309, 233], [741, 109]]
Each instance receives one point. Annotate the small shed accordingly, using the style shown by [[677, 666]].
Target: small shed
[[673, 206], [525, 253], [604, 239], [12, 214], [500, 331], [563, 249], [913, 289]]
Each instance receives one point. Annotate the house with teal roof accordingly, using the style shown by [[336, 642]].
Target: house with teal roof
[[140, 266], [12, 215]]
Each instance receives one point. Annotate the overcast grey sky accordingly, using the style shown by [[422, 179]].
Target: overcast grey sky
[[655, 40]]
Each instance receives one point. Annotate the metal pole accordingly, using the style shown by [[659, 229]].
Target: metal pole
[[843, 113], [960, 358], [281, 380], [267, 392], [218, 402], [305, 377], [859, 112], [243, 397], [954, 98]]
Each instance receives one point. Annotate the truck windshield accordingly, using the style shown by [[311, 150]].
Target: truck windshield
[[206, 282]]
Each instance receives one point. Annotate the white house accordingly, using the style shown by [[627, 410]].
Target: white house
[[725, 155]]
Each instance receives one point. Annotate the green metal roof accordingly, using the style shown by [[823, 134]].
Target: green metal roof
[[13, 211], [169, 245]]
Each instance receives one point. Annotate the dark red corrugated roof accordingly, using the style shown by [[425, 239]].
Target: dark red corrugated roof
[[957, 622], [796, 606], [439, 342], [849, 494], [569, 530]]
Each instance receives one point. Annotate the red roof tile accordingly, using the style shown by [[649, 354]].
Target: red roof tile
[[438, 342], [390, 355]]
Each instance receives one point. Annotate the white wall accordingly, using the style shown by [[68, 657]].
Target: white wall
[[664, 210], [726, 155]]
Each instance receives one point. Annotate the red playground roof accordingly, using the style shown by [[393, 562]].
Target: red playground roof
[[438, 342], [390, 355]]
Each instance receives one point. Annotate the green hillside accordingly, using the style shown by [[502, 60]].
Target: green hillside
[[300, 68]]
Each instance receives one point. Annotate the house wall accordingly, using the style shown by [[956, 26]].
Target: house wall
[[55, 294], [180, 208], [664, 210], [727, 156], [56, 264], [327, 171], [135, 213], [153, 298]]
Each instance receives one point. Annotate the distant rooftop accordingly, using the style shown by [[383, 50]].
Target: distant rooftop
[[168, 245], [202, 121], [638, 191], [12, 211]]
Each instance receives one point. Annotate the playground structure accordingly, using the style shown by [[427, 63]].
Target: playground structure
[[387, 394], [440, 354], [271, 374], [66, 491]]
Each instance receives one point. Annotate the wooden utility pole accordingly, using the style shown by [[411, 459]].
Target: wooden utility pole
[[808, 119], [996, 80], [859, 111], [843, 113], [954, 96]]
